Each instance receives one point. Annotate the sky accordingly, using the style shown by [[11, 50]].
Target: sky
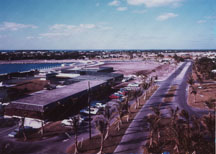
[[107, 24]]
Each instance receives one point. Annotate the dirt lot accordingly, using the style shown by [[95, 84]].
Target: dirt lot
[[206, 92], [128, 68], [147, 67], [205, 98]]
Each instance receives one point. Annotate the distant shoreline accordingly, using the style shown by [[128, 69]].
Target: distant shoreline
[[38, 61]]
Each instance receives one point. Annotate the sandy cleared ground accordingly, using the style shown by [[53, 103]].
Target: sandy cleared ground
[[132, 67], [206, 94], [150, 68]]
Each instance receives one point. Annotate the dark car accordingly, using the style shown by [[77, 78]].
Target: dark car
[[18, 133]]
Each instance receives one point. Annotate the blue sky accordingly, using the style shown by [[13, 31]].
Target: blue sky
[[107, 24]]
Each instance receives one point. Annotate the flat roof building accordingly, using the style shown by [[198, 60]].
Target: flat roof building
[[68, 96], [49, 104], [88, 71]]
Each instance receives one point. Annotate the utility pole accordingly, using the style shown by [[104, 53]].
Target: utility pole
[[89, 105]]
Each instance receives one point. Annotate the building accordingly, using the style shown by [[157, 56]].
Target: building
[[68, 96], [89, 71], [57, 103]]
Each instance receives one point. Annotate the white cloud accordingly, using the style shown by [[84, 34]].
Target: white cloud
[[97, 4], [54, 34], [12, 26], [122, 8], [139, 11], [30, 37], [166, 16], [210, 17], [60, 30], [72, 28], [155, 3], [114, 3], [201, 21]]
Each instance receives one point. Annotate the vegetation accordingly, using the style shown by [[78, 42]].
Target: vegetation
[[122, 110], [109, 144], [191, 81], [75, 126], [178, 58], [185, 134], [211, 103], [108, 117], [194, 92], [101, 125], [205, 66]]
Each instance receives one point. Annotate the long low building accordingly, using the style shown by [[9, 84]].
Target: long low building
[[57, 103]]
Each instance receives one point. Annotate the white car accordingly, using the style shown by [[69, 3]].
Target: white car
[[133, 85], [100, 105], [68, 122], [125, 80], [93, 110]]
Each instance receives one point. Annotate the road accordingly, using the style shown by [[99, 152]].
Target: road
[[137, 133]]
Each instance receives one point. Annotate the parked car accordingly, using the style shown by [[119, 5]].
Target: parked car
[[122, 93], [125, 79], [97, 104], [113, 96], [128, 88], [68, 122], [133, 85], [51, 87], [118, 94], [121, 99], [100, 105], [93, 110], [85, 118], [17, 133], [124, 90]]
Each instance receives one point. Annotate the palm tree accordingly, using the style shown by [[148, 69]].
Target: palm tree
[[157, 120], [101, 125], [194, 92], [184, 114], [120, 111], [22, 127], [210, 103], [122, 108], [174, 115], [191, 81], [108, 117], [144, 84], [145, 95], [75, 126], [209, 123], [42, 128], [127, 108], [183, 136], [154, 120]]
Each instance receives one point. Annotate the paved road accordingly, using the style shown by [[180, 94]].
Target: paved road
[[137, 132]]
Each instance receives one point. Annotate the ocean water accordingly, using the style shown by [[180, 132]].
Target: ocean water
[[9, 68]]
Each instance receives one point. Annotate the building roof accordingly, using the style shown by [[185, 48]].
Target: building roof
[[93, 77], [40, 101], [89, 70], [67, 75]]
